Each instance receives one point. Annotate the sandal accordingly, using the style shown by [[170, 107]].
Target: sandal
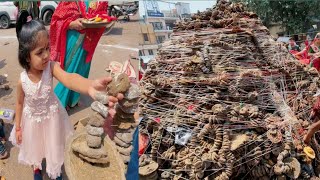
[[37, 174]]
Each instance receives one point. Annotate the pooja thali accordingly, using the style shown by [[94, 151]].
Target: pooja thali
[[97, 22]]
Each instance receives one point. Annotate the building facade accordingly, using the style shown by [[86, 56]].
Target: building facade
[[157, 26]]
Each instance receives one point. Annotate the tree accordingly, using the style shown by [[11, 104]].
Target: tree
[[293, 15]]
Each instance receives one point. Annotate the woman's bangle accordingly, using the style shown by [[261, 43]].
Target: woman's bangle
[[18, 129]]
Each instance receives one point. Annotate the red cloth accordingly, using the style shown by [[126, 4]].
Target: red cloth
[[304, 61], [140, 75], [143, 143], [65, 13], [316, 63], [305, 58]]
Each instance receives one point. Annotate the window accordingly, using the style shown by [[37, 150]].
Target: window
[[160, 39], [157, 25], [150, 52], [141, 53], [145, 37], [185, 11]]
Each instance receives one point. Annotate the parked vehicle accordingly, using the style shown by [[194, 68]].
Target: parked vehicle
[[47, 9], [9, 12], [126, 9]]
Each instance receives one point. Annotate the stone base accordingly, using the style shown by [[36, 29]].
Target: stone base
[[76, 168], [98, 155]]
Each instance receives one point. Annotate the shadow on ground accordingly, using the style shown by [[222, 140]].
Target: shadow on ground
[[7, 130], [85, 101], [116, 31], [4, 92], [2, 63]]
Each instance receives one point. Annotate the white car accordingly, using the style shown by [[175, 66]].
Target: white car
[[8, 13]]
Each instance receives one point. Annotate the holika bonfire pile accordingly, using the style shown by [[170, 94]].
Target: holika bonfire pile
[[92, 154], [222, 100]]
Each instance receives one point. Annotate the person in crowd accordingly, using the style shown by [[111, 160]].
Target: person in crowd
[[73, 45], [311, 54], [26, 10]]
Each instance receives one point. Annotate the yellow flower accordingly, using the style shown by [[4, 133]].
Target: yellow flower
[[98, 19], [309, 152]]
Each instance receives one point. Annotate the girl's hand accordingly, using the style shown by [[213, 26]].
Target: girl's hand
[[18, 136], [100, 85], [76, 24]]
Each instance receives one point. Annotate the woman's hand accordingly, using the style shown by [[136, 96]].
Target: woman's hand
[[100, 85], [306, 140], [76, 24], [301, 52], [308, 136], [311, 131], [18, 135]]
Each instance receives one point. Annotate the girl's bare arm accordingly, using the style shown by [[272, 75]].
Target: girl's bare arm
[[82, 85], [72, 81], [19, 105]]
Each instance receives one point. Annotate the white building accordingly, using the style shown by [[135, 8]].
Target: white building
[[183, 9], [157, 26]]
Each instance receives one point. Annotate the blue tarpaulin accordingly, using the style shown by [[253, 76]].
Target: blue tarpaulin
[[133, 166]]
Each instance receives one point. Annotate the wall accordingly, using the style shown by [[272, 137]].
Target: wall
[[150, 20], [275, 29], [147, 29]]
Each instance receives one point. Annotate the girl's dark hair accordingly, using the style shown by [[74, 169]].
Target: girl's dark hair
[[28, 41]]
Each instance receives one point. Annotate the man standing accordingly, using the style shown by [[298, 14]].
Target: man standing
[[25, 9]]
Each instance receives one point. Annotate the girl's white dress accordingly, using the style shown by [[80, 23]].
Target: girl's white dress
[[44, 123]]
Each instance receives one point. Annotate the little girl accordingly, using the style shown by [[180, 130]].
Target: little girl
[[42, 125]]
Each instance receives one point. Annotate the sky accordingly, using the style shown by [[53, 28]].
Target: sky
[[195, 5]]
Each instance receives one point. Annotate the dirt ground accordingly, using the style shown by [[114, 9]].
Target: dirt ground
[[116, 46]]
